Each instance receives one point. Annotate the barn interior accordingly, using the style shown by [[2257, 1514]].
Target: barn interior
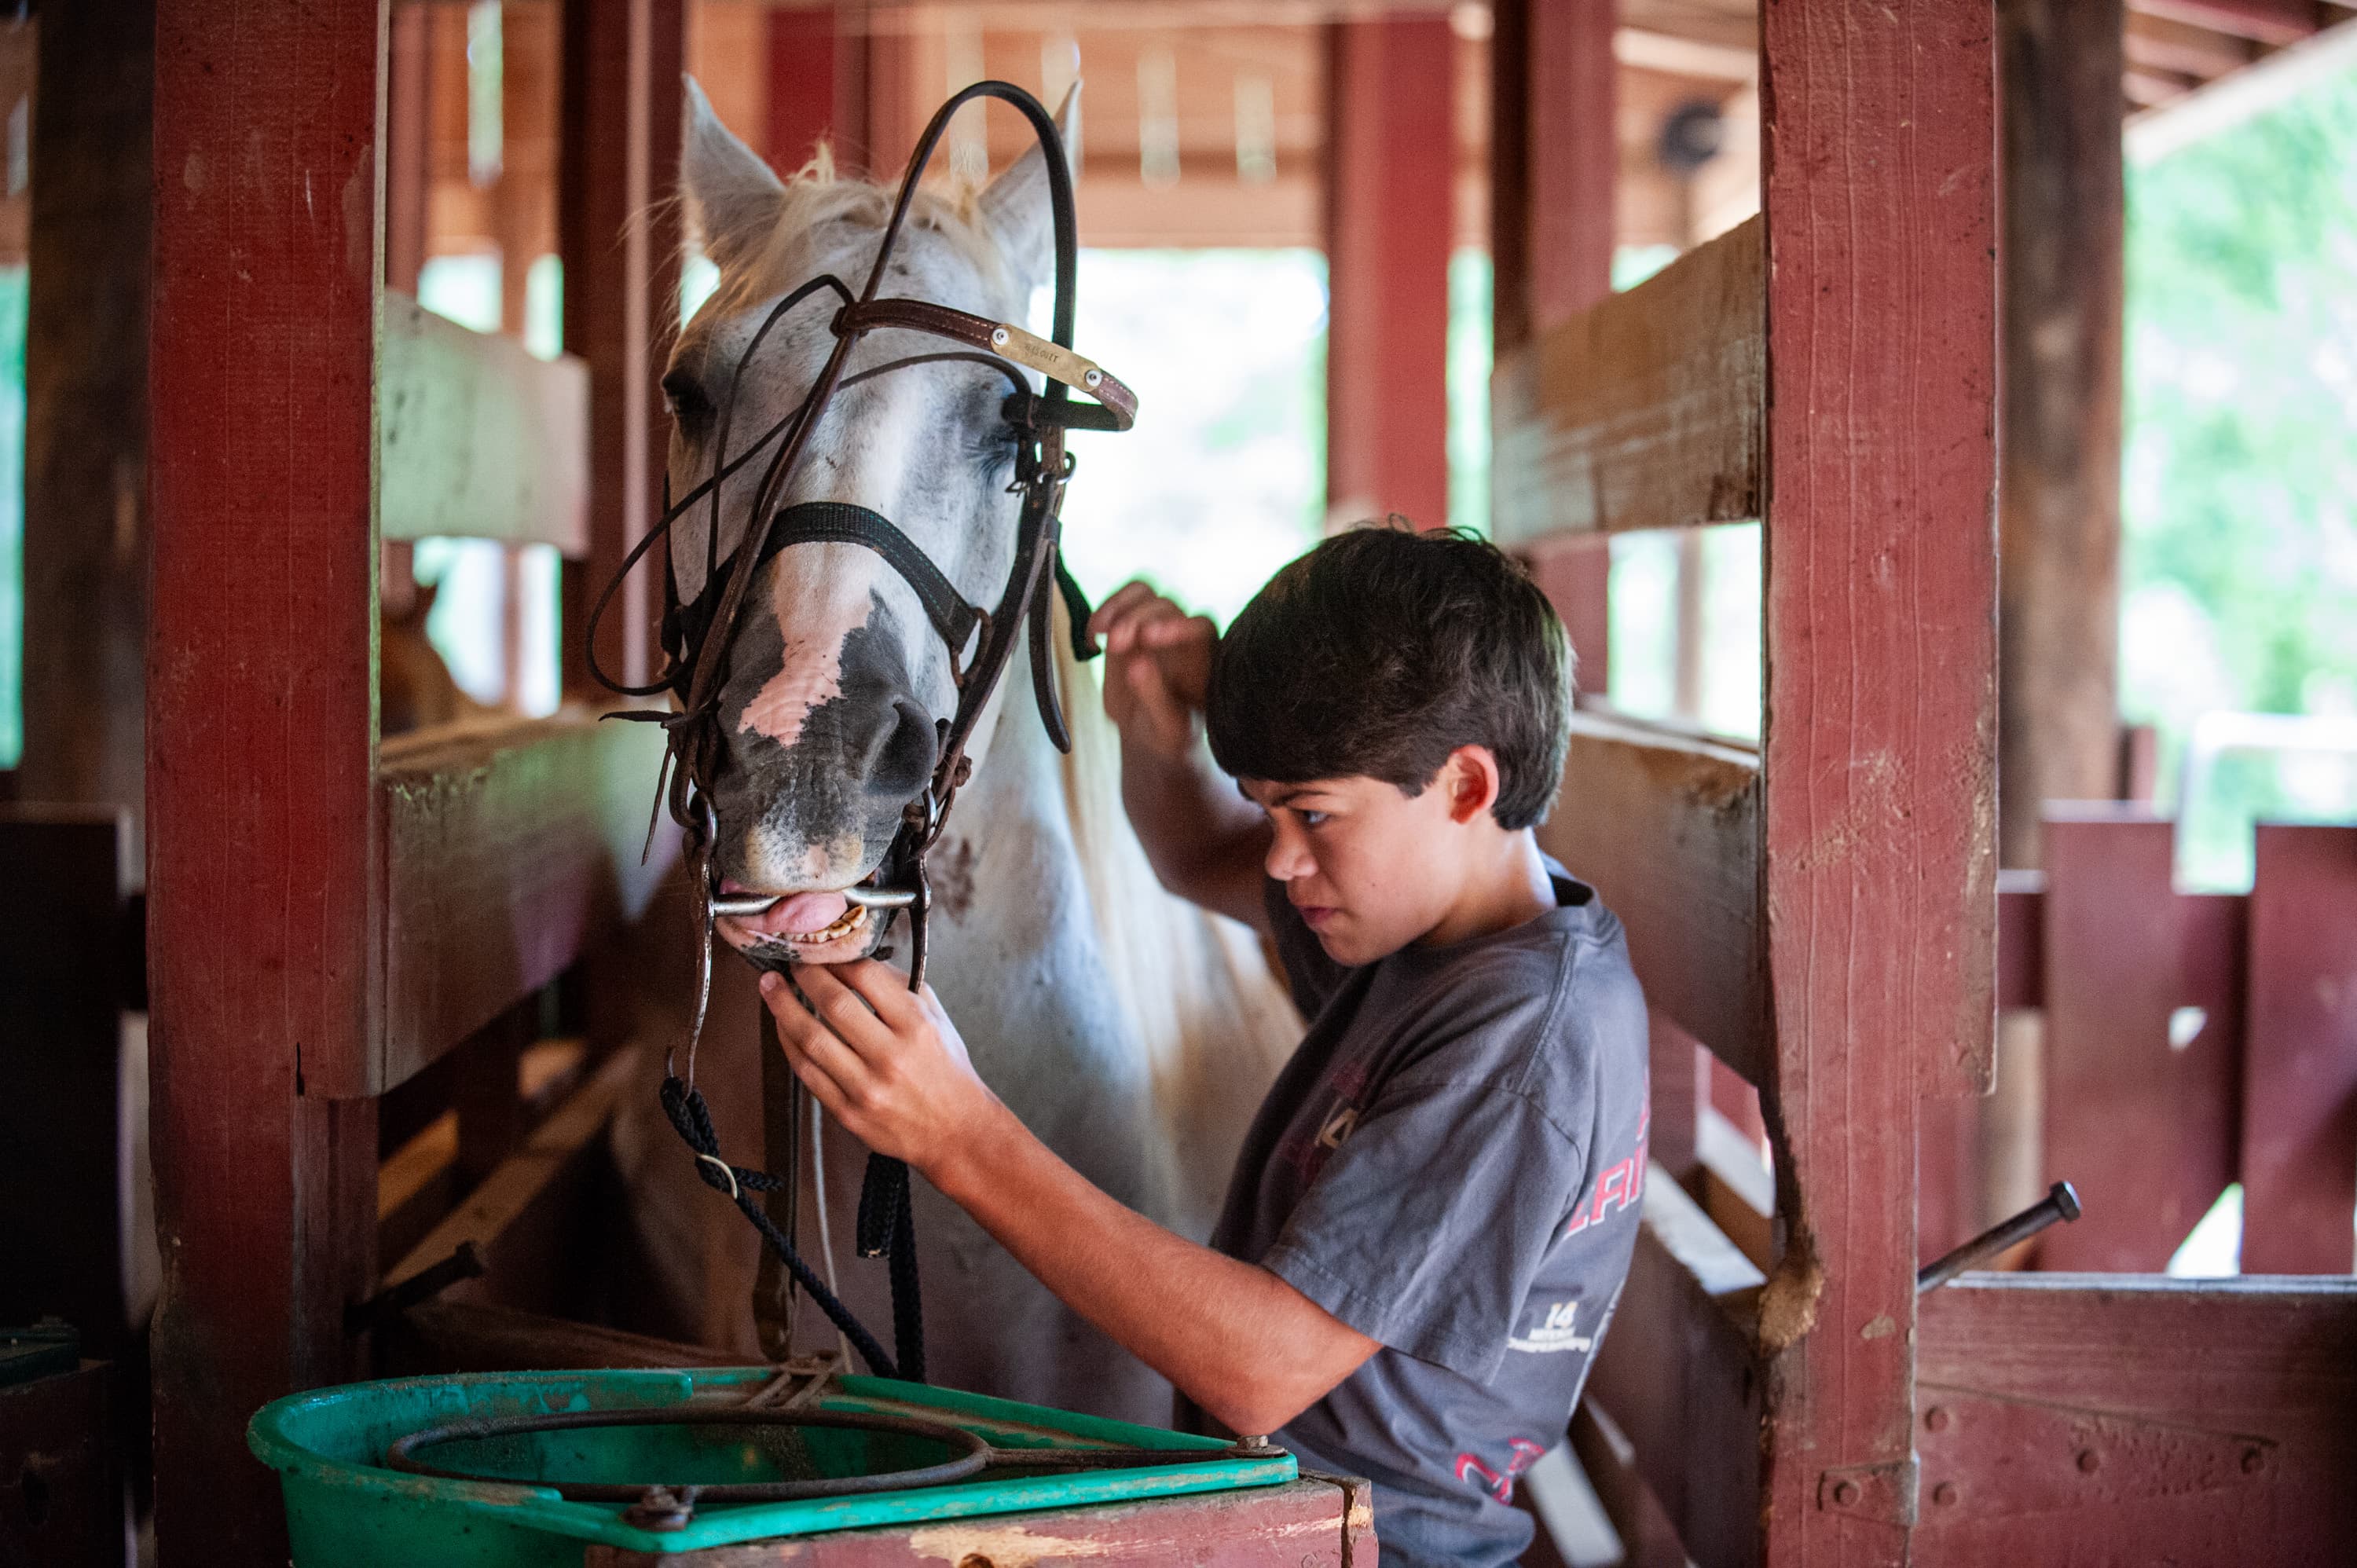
[[1795, 351]]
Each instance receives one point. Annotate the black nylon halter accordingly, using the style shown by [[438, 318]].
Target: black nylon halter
[[696, 636]]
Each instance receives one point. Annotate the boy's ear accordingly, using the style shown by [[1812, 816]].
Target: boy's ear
[[1470, 779]]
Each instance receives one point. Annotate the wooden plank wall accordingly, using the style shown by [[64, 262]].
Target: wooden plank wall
[[264, 836], [1880, 806], [2298, 1142], [1651, 414]]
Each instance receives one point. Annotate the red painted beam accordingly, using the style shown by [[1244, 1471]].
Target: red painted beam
[[813, 95], [1555, 157], [2299, 1065], [621, 242], [1390, 154], [1877, 757], [2140, 1108], [264, 834]]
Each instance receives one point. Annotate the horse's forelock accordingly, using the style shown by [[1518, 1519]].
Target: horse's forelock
[[818, 194]]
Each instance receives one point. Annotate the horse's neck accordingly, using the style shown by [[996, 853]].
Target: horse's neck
[[1128, 1028], [1018, 963]]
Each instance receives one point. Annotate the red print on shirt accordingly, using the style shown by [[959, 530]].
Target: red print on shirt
[[1619, 1187], [1521, 1454]]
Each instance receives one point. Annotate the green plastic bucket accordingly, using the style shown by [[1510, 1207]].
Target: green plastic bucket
[[345, 1510]]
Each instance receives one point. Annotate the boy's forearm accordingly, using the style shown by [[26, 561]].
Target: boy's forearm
[[1188, 816], [1243, 1344]]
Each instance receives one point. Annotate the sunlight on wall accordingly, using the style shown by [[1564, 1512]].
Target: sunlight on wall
[[1222, 480]]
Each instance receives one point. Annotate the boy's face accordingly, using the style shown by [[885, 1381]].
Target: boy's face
[[1371, 868]]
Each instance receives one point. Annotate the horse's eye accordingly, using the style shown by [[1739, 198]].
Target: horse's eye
[[685, 397]]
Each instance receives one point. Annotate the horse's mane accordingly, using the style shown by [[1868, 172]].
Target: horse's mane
[[1215, 1023], [818, 194]]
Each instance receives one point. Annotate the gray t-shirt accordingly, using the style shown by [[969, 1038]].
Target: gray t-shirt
[[1450, 1163]]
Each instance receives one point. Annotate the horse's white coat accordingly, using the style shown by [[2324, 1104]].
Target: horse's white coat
[[1133, 1034]]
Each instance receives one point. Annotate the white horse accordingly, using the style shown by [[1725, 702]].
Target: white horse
[[1132, 1032]]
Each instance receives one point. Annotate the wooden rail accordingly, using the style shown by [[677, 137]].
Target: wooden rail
[[2068, 1418], [478, 438], [1679, 1373], [1647, 410], [510, 849], [1667, 827]]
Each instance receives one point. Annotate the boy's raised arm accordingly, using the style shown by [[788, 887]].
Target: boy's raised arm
[[1205, 842]]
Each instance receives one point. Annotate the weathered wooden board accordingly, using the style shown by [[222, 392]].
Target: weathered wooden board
[[479, 439], [264, 838], [512, 1217], [1667, 827], [1648, 1539], [1302, 1524], [2299, 1149], [509, 849], [64, 1505], [1879, 804], [1647, 410], [1391, 155], [1679, 1375], [2098, 1420], [2143, 1125]]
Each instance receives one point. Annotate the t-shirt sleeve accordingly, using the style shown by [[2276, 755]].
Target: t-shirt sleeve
[[1428, 1223]]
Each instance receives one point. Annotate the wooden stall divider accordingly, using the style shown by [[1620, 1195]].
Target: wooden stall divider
[[2299, 1127], [2094, 1417], [2140, 1089]]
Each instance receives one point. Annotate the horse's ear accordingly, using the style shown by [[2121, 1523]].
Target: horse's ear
[[732, 199], [1016, 204]]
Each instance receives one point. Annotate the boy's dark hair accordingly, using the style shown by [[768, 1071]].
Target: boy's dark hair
[[1382, 650]]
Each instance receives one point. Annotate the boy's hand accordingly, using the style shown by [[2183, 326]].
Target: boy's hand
[[1158, 664], [885, 1061]]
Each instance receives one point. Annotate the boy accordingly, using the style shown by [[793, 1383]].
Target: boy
[[1434, 1211]]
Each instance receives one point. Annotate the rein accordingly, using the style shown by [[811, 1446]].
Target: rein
[[696, 636]]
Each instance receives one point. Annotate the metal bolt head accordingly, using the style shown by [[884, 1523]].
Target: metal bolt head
[[2089, 1461], [1946, 1494], [1845, 1493], [998, 336], [1937, 1418], [1092, 378]]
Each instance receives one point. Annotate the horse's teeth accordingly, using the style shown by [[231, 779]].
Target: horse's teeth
[[850, 920]]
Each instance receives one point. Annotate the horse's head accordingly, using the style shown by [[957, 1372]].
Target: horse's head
[[835, 683]]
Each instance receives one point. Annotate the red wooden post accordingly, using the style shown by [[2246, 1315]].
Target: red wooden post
[[1556, 155], [813, 95], [1391, 164], [2300, 1064], [2141, 1125], [620, 244], [1880, 587], [263, 847]]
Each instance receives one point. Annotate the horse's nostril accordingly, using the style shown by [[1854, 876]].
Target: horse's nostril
[[903, 759]]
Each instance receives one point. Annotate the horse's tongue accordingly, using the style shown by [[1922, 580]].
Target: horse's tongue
[[800, 914]]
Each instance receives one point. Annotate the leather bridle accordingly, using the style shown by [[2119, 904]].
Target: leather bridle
[[698, 634]]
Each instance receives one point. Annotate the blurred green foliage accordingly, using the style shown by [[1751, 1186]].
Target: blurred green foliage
[[2239, 570]]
